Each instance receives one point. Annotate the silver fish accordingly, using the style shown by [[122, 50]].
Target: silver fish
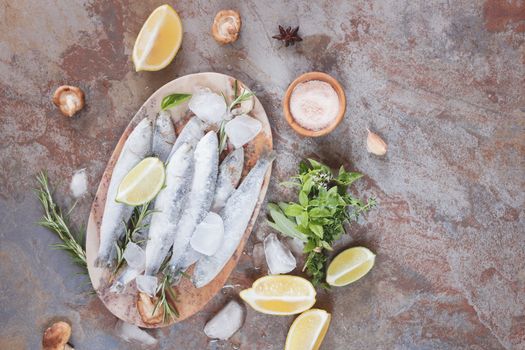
[[136, 148], [230, 172], [206, 158], [236, 216], [163, 139], [191, 134], [168, 208], [164, 136]]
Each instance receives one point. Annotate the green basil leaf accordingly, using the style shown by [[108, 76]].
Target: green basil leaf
[[304, 230], [173, 100], [319, 212], [317, 229], [315, 164], [294, 210], [303, 199], [307, 186], [302, 220], [314, 203], [309, 246], [333, 191]]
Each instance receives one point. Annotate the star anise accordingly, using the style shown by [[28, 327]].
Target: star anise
[[288, 35]]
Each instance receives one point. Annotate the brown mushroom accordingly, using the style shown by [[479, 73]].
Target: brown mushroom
[[145, 306], [57, 336], [69, 99], [226, 26]]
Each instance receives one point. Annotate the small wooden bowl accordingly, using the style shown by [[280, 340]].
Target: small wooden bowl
[[314, 76]]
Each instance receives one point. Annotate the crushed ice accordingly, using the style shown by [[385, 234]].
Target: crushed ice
[[135, 256], [278, 256], [242, 129], [132, 333], [208, 235], [147, 284], [208, 106], [226, 322]]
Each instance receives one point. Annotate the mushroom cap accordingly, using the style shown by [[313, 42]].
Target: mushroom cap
[[70, 99], [145, 307], [226, 26], [56, 336]]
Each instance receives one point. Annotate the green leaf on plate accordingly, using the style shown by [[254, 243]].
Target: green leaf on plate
[[173, 100]]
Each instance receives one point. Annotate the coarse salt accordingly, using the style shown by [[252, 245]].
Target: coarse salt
[[79, 183], [314, 104]]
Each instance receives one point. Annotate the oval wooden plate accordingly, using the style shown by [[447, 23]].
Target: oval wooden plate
[[190, 299]]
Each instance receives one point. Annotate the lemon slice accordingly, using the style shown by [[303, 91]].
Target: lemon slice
[[308, 330], [349, 266], [142, 183], [159, 40], [280, 295]]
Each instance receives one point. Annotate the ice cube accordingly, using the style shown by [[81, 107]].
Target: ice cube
[[278, 256], [135, 256], [79, 183], [258, 255], [147, 284], [208, 106], [242, 129], [226, 322], [124, 278], [132, 333], [208, 235]]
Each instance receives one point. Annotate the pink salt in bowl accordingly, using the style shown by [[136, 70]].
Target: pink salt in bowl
[[325, 129]]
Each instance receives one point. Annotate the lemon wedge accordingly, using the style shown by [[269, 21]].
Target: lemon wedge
[[349, 266], [142, 183], [159, 40], [308, 330], [280, 295]]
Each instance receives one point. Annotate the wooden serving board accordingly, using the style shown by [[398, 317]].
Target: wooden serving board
[[190, 299]]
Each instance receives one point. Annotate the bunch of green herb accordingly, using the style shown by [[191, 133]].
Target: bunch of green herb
[[318, 217], [57, 222]]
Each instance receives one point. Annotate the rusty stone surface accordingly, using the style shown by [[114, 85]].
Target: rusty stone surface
[[442, 82]]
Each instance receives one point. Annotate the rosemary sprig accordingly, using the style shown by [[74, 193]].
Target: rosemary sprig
[[55, 221], [244, 96], [137, 223], [165, 293]]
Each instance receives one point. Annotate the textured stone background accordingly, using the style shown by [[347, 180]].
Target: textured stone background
[[441, 81]]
